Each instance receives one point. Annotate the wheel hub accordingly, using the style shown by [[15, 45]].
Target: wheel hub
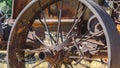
[[54, 58], [57, 54]]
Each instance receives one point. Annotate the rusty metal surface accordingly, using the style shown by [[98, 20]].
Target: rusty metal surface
[[18, 5], [61, 53], [67, 47]]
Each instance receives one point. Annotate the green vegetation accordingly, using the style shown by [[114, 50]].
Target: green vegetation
[[6, 6]]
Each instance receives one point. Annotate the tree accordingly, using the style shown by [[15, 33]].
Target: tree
[[9, 4]]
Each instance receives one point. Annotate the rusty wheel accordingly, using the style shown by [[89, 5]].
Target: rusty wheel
[[63, 33]]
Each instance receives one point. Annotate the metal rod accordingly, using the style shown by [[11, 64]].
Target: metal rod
[[55, 20], [45, 24]]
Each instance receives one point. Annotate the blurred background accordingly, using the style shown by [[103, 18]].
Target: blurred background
[[6, 6]]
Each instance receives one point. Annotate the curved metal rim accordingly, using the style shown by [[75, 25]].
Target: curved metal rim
[[108, 28]]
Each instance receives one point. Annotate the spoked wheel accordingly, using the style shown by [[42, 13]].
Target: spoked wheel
[[71, 33]]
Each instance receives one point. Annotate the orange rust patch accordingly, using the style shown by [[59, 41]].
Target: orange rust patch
[[118, 27], [20, 30]]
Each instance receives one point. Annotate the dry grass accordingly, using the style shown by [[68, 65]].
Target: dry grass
[[92, 65], [44, 65]]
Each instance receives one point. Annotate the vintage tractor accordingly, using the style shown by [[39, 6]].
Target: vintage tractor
[[64, 33]]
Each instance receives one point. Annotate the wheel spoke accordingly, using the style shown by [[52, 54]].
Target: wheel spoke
[[74, 57], [39, 39], [77, 46], [77, 29], [45, 24], [79, 62], [96, 42], [76, 21], [46, 28], [30, 39], [78, 7], [59, 14], [90, 59], [33, 37], [89, 37]]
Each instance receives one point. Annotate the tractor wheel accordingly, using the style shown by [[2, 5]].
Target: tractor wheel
[[63, 33]]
